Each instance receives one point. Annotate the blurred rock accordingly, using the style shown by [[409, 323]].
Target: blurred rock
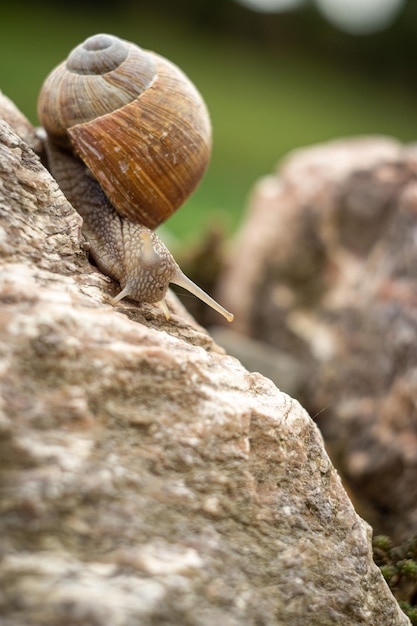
[[257, 356], [325, 268], [146, 477]]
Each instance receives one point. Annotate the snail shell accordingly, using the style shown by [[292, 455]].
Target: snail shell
[[136, 121], [143, 131]]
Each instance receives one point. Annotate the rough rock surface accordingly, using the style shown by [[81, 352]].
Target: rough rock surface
[[146, 477], [331, 278]]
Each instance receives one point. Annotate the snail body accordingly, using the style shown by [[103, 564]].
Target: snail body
[[129, 138]]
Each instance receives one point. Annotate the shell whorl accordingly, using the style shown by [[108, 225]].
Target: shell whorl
[[136, 121], [99, 76]]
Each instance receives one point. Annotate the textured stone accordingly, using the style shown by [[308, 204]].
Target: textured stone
[[333, 283], [20, 124], [147, 477]]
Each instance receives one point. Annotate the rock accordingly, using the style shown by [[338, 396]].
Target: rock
[[258, 356], [147, 477], [333, 284], [19, 123]]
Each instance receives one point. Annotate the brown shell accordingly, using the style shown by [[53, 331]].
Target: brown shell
[[149, 153]]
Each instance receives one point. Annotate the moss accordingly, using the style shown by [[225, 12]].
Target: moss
[[398, 565]]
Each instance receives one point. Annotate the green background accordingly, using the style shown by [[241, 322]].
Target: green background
[[271, 83]]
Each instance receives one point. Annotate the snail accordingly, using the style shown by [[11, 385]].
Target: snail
[[128, 140]]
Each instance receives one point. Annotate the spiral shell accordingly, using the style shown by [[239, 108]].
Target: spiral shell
[[136, 121]]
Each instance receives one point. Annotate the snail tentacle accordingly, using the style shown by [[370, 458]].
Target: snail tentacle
[[180, 279]]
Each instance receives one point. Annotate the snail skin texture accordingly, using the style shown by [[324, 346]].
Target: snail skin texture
[[128, 140]]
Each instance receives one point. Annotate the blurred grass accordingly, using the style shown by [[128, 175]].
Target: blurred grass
[[262, 105]]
